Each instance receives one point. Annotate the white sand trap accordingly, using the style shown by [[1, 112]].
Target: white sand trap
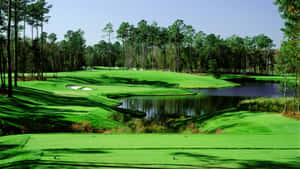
[[86, 88], [74, 87], [79, 87]]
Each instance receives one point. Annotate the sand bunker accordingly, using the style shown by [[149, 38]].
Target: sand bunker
[[74, 87], [79, 87], [86, 88]]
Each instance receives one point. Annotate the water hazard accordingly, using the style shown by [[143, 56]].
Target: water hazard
[[164, 107]]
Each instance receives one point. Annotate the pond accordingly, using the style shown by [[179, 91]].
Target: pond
[[163, 107], [253, 89]]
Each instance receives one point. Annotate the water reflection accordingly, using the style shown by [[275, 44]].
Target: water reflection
[[248, 90], [163, 107]]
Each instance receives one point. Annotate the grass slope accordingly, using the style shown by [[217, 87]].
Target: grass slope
[[49, 105], [245, 122], [150, 151]]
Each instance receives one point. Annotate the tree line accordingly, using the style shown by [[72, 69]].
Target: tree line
[[180, 47], [15, 15], [37, 53]]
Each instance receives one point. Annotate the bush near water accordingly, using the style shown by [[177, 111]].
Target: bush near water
[[269, 104]]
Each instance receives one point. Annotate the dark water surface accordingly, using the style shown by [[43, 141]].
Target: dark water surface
[[246, 90], [163, 107]]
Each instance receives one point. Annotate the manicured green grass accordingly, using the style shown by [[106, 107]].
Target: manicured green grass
[[150, 151], [36, 102], [245, 122], [247, 140], [156, 78]]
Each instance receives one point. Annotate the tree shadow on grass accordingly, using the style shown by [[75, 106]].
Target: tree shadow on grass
[[75, 151], [51, 99], [138, 82], [214, 161], [74, 164], [11, 154], [35, 124], [7, 147], [79, 80], [204, 117], [103, 79], [33, 116], [205, 161]]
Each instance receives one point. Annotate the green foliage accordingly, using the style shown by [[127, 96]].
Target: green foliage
[[108, 29], [268, 104], [212, 66], [289, 11], [180, 48]]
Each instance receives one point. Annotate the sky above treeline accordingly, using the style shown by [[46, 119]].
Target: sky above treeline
[[222, 17]]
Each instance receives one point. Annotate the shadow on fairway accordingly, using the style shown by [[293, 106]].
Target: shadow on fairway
[[75, 151], [19, 115], [7, 147], [7, 155], [103, 79], [209, 160], [70, 164], [204, 117], [51, 99], [138, 82], [22, 115], [205, 161]]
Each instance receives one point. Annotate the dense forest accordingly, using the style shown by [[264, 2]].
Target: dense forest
[[178, 47]]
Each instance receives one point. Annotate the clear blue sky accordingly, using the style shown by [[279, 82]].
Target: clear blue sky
[[223, 17]]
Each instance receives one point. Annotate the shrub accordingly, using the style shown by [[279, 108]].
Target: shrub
[[76, 127], [267, 104], [117, 116], [84, 127], [155, 128]]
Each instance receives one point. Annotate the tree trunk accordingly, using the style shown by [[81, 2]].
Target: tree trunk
[[296, 85], [4, 65], [42, 51], [1, 63], [24, 39], [16, 43], [8, 50], [32, 34], [284, 95]]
